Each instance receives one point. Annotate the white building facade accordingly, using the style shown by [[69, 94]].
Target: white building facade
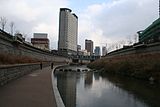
[[68, 31], [104, 51]]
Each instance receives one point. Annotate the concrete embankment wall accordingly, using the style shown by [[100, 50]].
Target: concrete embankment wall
[[11, 72], [10, 45], [143, 49]]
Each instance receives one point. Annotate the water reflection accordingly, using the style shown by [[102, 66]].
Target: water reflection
[[98, 90], [88, 80], [66, 83]]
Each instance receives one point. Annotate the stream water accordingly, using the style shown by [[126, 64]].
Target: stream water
[[93, 89]]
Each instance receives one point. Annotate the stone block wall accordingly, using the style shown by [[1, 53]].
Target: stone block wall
[[8, 45], [11, 72], [145, 49]]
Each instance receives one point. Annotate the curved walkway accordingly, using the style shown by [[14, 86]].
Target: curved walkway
[[32, 90]]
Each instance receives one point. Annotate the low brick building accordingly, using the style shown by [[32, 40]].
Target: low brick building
[[40, 40]]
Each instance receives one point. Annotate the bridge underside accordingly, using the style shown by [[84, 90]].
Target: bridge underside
[[84, 59]]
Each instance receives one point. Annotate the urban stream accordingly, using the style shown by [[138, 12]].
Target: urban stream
[[80, 87]]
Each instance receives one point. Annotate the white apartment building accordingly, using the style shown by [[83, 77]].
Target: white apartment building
[[68, 29]]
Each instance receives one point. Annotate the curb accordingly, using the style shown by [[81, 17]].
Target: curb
[[57, 96]]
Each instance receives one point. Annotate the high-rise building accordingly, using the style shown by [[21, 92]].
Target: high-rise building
[[40, 40], [68, 29], [89, 46], [79, 51], [78, 47], [104, 51], [97, 51]]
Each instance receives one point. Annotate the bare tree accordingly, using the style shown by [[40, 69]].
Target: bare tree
[[17, 32], [108, 48], [25, 36], [12, 27], [117, 45], [129, 40], [3, 22], [135, 38], [121, 43]]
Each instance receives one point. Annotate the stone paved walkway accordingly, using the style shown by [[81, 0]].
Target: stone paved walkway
[[32, 90]]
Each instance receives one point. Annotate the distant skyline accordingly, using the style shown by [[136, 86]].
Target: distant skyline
[[102, 21]]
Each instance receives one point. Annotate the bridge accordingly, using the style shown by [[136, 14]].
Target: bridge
[[83, 58]]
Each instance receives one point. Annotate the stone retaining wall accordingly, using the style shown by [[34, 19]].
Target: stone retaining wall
[[11, 72], [9, 45], [137, 49]]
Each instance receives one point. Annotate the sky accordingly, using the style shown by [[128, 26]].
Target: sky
[[102, 21]]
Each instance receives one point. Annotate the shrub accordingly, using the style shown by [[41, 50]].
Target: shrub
[[14, 59], [137, 65]]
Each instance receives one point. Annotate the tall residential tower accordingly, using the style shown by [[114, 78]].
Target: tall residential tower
[[68, 30]]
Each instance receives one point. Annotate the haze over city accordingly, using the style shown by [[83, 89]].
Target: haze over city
[[103, 21]]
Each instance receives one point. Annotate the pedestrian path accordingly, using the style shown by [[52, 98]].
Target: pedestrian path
[[32, 90]]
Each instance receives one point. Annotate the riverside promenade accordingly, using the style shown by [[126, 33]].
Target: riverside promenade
[[32, 90]]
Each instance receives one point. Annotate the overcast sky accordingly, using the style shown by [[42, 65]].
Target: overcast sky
[[103, 21]]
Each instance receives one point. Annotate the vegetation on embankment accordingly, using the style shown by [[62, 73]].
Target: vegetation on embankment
[[14, 59], [142, 66]]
